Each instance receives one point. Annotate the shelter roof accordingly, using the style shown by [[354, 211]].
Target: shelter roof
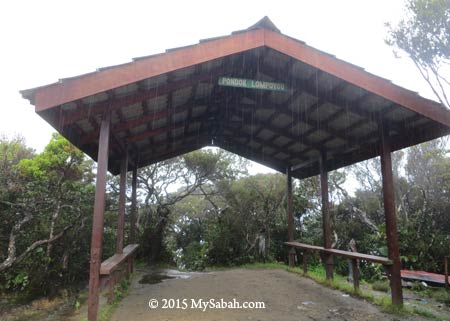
[[168, 104]]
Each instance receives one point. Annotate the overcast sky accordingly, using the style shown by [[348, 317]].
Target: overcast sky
[[43, 41]]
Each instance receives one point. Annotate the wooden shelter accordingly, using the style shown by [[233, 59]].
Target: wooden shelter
[[257, 93]]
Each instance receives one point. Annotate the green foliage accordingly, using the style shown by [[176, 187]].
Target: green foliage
[[194, 257], [120, 292], [214, 215], [18, 281], [422, 189], [441, 295], [418, 287], [48, 197], [196, 173], [382, 286], [424, 34]]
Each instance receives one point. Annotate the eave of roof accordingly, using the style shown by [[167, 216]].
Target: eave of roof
[[68, 104], [105, 79]]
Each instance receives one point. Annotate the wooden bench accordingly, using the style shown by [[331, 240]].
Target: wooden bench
[[353, 256], [112, 267]]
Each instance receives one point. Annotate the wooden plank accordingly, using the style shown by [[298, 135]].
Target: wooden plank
[[360, 256], [305, 246], [423, 276], [112, 263], [347, 254]]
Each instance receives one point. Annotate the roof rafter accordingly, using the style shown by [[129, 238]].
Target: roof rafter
[[112, 105]]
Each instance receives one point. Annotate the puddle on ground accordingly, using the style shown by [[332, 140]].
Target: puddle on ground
[[154, 278], [161, 275]]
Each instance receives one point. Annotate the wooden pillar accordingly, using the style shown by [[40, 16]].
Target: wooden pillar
[[133, 206], [446, 272], [97, 221], [305, 262], [328, 259], [290, 213], [355, 274], [122, 203], [391, 221]]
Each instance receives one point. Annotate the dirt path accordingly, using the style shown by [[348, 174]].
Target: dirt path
[[286, 296]]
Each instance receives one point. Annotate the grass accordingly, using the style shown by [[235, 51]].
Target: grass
[[317, 273], [382, 286], [120, 292], [440, 295]]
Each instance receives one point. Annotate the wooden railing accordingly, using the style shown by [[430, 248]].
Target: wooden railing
[[353, 256], [112, 268]]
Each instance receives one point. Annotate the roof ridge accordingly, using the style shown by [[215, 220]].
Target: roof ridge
[[265, 23]]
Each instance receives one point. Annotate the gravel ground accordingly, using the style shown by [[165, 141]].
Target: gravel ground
[[286, 297]]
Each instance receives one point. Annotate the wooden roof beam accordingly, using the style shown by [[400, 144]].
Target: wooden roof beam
[[169, 152], [165, 129], [90, 110], [280, 131], [144, 119], [357, 76], [322, 99], [233, 147], [266, 143]]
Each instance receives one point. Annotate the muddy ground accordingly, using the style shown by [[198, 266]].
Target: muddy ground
[[286, 296]]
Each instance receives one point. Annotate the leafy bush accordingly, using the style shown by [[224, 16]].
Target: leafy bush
[[382, 286]]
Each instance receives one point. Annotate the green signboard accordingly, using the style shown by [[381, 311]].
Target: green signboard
[[252, 84]]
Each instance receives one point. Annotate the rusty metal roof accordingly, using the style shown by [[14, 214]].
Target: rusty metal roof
[[171, 103]]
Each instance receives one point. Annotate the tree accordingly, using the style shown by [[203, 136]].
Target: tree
[[424, 35], [424, 231], [422, 192], [196, 172], [48, 196], [12, 151]]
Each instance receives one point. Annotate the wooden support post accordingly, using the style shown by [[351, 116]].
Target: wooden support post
[[111, 284], [290, 212], [391, 220], [97, 221], [122, 201], [133, 206], [129, 262], [328, 259], [446, 272], [305, 262], [355, 270]]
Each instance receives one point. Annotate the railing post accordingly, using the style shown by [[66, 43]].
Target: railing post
[[446, 272], [355, 270], [305, 262]]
